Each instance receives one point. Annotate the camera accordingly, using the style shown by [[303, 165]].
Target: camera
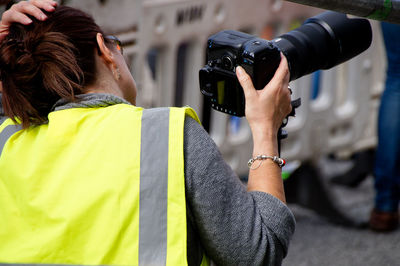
[[322, 42]]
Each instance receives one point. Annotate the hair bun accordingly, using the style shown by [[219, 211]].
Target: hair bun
[[16, 56], [19, 46], [45, 61]]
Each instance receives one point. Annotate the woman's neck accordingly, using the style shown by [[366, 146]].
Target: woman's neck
[[105, 86]]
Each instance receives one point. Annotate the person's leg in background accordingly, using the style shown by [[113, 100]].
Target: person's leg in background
[[385, 215]]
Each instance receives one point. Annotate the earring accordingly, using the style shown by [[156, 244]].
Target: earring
[[117, 73]]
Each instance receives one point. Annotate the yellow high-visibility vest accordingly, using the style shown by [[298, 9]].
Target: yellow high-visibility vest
[[95, 186]]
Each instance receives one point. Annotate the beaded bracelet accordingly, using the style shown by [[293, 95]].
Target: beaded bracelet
[[279, 161]]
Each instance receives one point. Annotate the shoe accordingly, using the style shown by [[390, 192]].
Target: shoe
[[381, 221]]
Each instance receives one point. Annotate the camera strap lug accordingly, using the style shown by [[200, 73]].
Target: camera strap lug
[[295, 103]]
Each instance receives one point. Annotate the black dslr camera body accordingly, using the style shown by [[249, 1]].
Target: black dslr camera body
[[226, 50], [322, 42]]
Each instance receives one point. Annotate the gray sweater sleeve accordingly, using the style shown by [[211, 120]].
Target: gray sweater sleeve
[[235, 227]]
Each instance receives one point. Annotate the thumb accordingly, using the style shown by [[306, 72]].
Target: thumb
[[245, 81]]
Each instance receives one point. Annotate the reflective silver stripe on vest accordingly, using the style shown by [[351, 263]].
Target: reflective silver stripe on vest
[[7, 132], [153, 187]]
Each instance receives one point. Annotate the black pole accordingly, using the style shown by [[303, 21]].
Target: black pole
[[383, 10]]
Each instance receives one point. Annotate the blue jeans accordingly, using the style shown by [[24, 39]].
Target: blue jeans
[[387, 162]]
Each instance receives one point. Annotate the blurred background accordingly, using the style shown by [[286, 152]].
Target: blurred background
[[332, 137]]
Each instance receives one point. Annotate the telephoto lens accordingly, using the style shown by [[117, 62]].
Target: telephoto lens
[[323, 42]]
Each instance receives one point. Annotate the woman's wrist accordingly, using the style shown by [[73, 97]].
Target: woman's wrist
[[267, 145], [264, 134], [264, 127]]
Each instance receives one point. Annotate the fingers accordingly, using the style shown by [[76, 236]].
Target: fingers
[[28, 9], [282, 75], [289, 106], [245, 81], [280, 84], [10, 17], [283, 70], [48, 5], [18, 13]]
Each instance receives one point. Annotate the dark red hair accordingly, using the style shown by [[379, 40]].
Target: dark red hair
[[46, 61]]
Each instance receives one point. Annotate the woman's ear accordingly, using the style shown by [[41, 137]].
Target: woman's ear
[[104, 52]]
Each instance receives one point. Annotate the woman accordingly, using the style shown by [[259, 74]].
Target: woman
[[89, 178]]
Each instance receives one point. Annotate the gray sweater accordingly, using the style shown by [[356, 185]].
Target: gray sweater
[[233, 226]]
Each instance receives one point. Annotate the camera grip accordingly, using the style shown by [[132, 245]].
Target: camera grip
[[282, 134]]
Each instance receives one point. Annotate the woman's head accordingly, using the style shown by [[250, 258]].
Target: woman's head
[[48, 60]]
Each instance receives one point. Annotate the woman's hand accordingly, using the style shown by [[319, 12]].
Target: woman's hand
[[266, 108], [19, 12]]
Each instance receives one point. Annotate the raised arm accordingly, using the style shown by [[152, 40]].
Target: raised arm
[[265, 111], [239, 227]]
